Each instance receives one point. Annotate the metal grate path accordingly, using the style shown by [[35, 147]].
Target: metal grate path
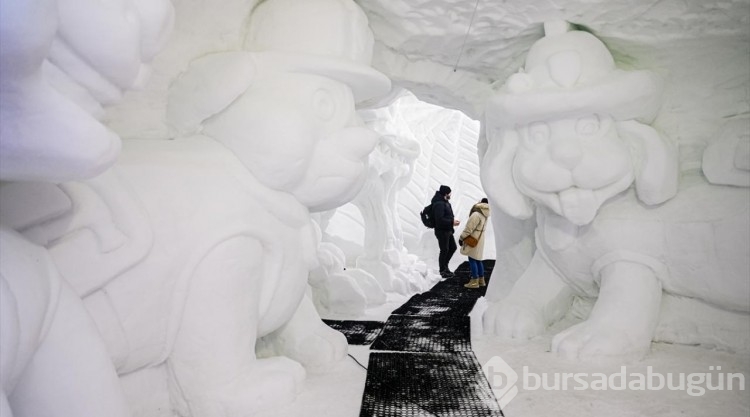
[[357, 332], [422, 363]]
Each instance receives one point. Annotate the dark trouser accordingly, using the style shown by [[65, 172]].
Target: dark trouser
[[447, 247]]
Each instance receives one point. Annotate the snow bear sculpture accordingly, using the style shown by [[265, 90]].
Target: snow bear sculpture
[[195, 252], [569, 135]]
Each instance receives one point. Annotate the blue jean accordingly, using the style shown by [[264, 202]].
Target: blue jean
[[477, 268]]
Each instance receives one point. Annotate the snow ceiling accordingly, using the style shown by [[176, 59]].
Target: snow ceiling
[[702, 48]]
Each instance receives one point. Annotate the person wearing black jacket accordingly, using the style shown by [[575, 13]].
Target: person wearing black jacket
[[444, 223]]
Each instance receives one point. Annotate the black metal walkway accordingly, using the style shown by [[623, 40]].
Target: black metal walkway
[[422, 363]]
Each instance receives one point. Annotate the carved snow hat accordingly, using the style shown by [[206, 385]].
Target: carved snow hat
[[326, 37], [569, 74]]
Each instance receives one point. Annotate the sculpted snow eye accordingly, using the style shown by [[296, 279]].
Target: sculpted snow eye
[[324, 104], [538, 134], [588, 125]]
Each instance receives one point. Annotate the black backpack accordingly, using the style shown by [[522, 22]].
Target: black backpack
[[428, 217]]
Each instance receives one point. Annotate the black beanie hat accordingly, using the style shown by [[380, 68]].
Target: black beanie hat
[[444, 190]]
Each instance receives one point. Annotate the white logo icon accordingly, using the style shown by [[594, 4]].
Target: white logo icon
[[502, 380]]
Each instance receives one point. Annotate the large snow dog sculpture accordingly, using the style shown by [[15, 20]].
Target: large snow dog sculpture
[[569, 136], [195, 252]]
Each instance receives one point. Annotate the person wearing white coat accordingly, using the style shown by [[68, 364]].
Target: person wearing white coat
[[475, 226]]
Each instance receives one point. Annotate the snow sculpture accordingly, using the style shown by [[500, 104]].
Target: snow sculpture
[[53, 77], [47, 336], [727, 159], [383, 254], [59, 75], [189, 251], [338, 290], [391, 169], [570, 134], [385, 264], [448, 154]]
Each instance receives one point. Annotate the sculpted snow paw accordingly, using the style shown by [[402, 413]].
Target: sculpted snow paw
[[600, 341], [513, 320], [269, 383], [321, 348], [306, 339]]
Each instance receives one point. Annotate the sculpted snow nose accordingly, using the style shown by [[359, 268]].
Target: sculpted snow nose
[[566, 151], [357, 142]]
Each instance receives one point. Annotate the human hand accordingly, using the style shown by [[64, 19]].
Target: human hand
[[456, 222]]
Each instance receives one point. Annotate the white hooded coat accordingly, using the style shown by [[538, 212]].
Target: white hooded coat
[[475, 227]]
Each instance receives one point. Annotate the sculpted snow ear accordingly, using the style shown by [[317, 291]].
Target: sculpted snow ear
[[496, 173], [655, 160], [210, 84]]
